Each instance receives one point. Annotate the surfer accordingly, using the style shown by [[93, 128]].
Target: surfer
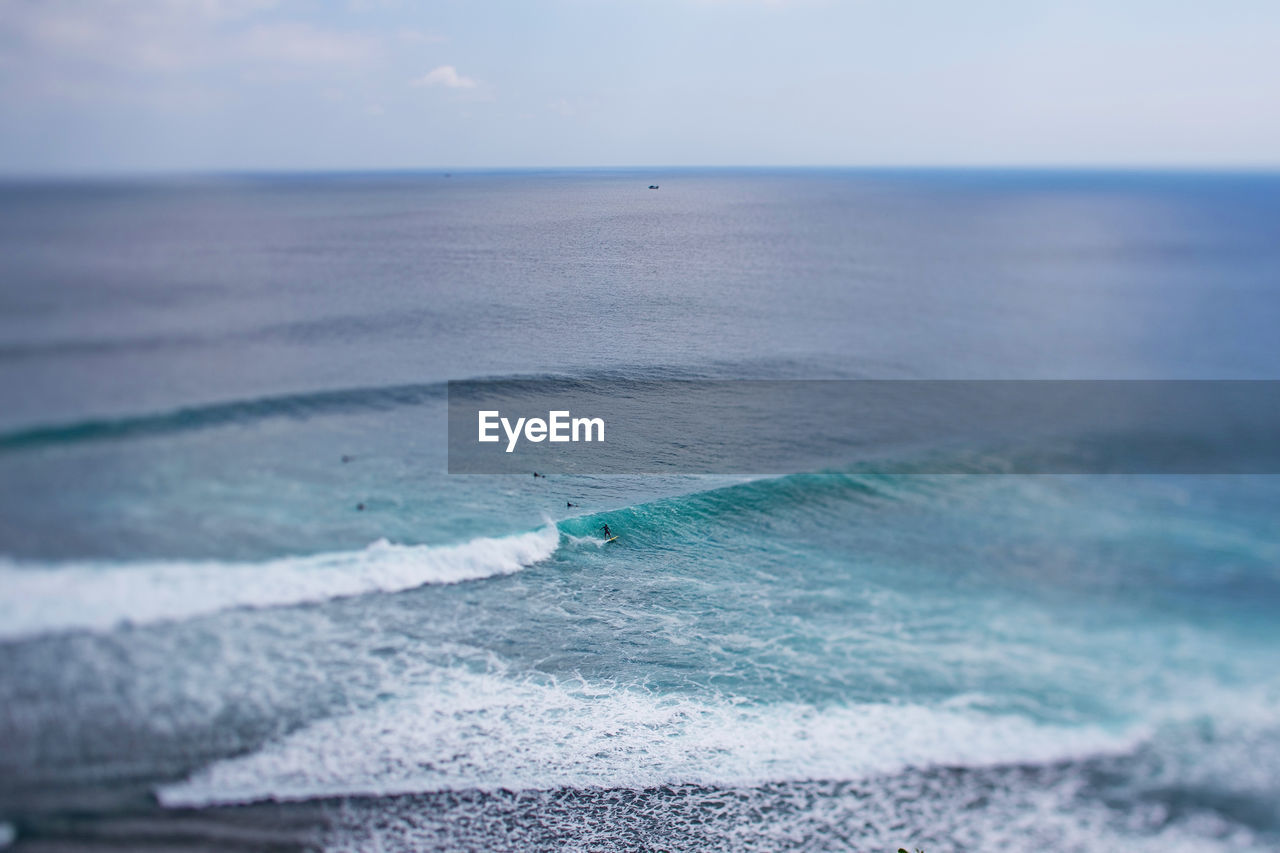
[[606, 531], [569, 503]]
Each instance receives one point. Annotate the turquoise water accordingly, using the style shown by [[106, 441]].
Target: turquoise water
[[235, 572]]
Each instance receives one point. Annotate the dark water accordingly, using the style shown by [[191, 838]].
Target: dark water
[[204, 641]]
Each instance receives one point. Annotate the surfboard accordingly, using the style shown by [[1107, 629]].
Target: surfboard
[[610, 539]]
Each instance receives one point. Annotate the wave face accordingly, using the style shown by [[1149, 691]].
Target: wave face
[[485, 732], [44, 597], [105, 595], [51, 596]]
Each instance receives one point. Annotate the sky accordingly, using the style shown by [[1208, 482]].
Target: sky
[[111, 86]]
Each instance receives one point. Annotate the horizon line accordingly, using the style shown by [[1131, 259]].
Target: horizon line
[[72, 175]]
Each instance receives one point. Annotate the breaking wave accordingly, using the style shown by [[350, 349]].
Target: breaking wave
[[48, 598]]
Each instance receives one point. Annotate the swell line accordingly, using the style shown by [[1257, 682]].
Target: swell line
[[296, 406]]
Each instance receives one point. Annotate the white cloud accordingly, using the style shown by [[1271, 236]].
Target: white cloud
[[446, 76]]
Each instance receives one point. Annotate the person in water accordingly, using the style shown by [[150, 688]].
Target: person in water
[[606, 531]]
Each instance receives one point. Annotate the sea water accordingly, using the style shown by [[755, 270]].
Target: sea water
[[233, 570]]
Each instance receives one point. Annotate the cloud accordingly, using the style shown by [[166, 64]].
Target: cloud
[[292, 42], [446, 76], [76, 38]]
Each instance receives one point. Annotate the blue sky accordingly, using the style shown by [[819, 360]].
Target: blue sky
[[143, 85]]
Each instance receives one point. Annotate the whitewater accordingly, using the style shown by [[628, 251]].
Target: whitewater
[[104, 595]]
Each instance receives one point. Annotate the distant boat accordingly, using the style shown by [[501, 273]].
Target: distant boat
[[653, 186]]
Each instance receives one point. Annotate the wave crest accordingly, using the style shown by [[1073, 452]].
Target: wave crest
[[41, 599]]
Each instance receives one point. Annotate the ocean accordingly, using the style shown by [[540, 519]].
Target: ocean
[[244, 606]]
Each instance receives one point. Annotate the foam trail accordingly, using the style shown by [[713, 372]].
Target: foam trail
[[467, 731], [38, 599]]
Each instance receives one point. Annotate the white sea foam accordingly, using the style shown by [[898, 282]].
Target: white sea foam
[[486, 732], [37, 599]]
